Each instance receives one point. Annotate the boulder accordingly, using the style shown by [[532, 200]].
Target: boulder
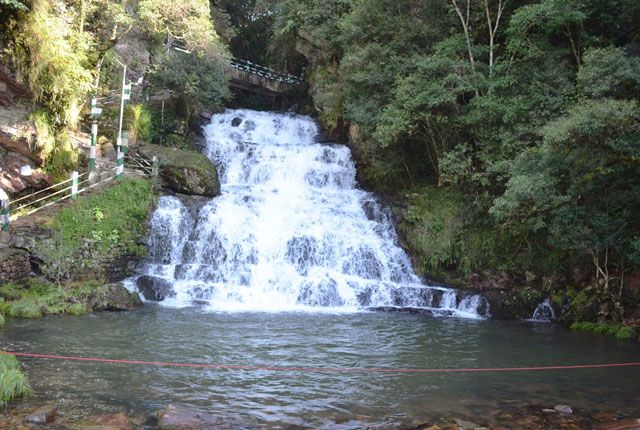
[[114, 297], [105, 422], [184, 172], [155, 289], [176, 417], [563, 409]]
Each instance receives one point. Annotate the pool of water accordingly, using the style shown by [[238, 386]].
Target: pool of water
[[326, 400]]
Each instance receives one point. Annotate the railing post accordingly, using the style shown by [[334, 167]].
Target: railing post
[[124, 142], [4, 217], [120, 164], [74, 185], [155, 169], [154, 166], [95, 113], [4, 210]]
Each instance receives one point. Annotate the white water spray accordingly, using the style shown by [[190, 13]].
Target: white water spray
[[290, 231]]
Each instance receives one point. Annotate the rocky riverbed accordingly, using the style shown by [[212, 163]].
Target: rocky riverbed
[[179, 417]]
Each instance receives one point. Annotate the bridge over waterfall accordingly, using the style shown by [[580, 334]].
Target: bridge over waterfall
[[249, 76]]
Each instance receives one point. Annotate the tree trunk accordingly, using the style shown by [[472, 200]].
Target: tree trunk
[[493, 29], [465, 27]]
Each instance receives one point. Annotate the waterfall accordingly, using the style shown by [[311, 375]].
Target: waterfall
[[543, 312], [291, 231]]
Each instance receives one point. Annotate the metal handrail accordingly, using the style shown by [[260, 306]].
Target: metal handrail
[[266, 72], [20, 208]]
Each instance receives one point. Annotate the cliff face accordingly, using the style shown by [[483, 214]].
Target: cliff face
[[18, 160]]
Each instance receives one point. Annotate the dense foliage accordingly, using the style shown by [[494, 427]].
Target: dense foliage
[[523, 114], [65, 51]]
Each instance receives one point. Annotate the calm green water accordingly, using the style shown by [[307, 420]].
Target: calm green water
[[278, 399]]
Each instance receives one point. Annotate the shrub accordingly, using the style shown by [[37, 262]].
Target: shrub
[[139, 123], [13, 383], [25, 309], [625, 333]]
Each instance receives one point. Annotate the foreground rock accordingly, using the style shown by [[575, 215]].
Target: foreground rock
[[176, 417], [185, 172], [113, 297], [155, 289]]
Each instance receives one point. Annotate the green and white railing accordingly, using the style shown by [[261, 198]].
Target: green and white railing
[[265, 72]]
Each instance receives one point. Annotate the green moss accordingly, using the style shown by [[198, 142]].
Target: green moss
[[39, 298], [10, 291], [582, 305], [77, 309], [617, 330], [1, 320], [179, 158], [13, 383], [25, 309], [625, 333]]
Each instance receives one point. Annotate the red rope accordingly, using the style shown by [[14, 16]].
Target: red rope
[[323, 369]]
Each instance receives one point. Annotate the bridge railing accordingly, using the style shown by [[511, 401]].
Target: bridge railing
[[265, 72]]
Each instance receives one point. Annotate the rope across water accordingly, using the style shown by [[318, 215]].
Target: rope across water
[[322, 369]]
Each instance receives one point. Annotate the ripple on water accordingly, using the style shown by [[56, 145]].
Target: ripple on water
[[302, 339]]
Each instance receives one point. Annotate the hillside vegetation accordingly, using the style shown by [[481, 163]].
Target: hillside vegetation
[[508, 131]]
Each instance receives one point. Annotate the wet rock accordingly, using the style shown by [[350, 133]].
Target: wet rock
[[465, 425], [105, 422], [563, 409], [236, 122], [627, 424], [114, 297], [155, 289], [43, 415], [176, 417]]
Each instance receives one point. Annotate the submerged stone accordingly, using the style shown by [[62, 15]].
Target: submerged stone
[[105, 422], [176, 417], [44, 414]]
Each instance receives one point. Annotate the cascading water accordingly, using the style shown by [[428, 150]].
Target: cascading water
[[290, 230], [543, 312]]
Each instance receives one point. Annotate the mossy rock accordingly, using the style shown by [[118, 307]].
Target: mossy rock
[[185, 172], [113, 297]]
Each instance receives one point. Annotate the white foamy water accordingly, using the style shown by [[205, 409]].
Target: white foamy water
[[290, 231]]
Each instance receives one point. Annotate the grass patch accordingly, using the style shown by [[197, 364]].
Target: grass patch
[[617, 330], [39, 299], [13, 382], [97, 227]]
